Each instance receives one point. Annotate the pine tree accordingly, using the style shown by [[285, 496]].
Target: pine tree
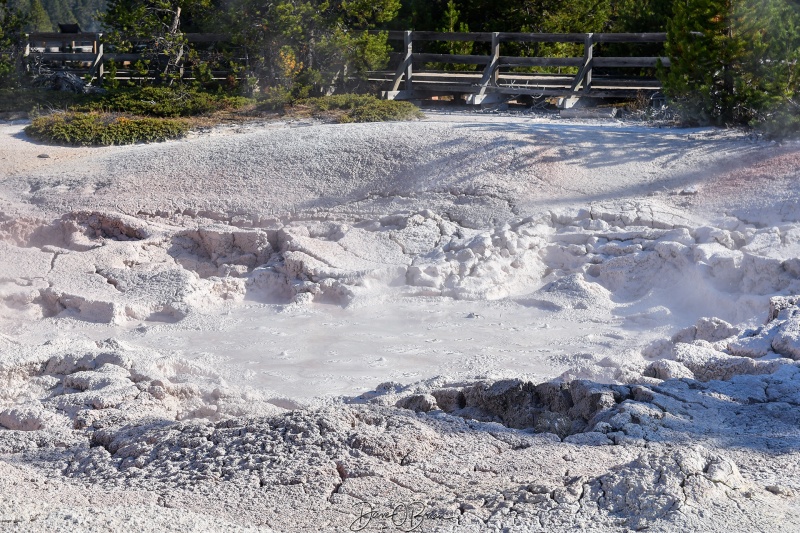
[[59, 11], [39, 19], [639, 15], [451, 24], [703, 55], [731, 60], [87, 13], [12, 43], [157, 23], [420, 15], [309, 46]]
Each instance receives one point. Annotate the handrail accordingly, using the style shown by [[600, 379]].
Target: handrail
[[581, 83], [522, 37], [56, 37], [87, 47]]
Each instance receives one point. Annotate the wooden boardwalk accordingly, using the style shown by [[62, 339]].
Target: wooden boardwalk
[[498, 77], [503, 76]]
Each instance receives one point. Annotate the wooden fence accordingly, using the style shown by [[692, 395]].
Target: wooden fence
[[87, 54], [594, 76], [502, 76]]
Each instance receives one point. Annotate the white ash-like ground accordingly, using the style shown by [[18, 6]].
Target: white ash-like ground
[[467, 323]]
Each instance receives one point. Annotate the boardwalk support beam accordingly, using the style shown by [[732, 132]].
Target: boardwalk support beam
[[489, 77], [404, 70]]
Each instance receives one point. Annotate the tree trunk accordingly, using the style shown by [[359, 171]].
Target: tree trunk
[[176, 21]]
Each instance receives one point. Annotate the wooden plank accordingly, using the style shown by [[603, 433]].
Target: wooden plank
[[423, 77], [530, 83], [66, 56], [89, 37], [630, 37], [510, 61], [524, 76], [452, 58], [621, 83], [126, 57], [392, 35], [531, 37], [473, 75], [398, 35], [470, 86], [552, 91], [544, 91], [542, 37], [522, 80], [452, 36], [562, 85], [61, 37]]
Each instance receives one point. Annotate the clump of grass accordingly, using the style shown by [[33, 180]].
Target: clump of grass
[[103, 129], [363, 108]]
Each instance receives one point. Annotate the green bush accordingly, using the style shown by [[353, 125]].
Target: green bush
[[164, 102], [364, 108], [381, 111], [273, 99], [103, 129]]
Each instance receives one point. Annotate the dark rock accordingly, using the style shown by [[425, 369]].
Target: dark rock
[[512, 400], [418, 403]]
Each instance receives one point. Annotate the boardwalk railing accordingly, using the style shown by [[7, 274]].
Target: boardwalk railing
[[501, 76], [87, 54]]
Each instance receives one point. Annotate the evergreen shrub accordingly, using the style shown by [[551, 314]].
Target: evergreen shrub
[[84, 129]]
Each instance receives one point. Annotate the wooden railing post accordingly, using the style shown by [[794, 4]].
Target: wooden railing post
[[404, 69], [588, 59], [409, 45], [97, 65], [584, 75], [490, 72]]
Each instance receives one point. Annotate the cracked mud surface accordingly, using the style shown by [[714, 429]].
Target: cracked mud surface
[[461, 324]]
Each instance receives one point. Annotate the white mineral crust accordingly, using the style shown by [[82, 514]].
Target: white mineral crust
[[466, 323]]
